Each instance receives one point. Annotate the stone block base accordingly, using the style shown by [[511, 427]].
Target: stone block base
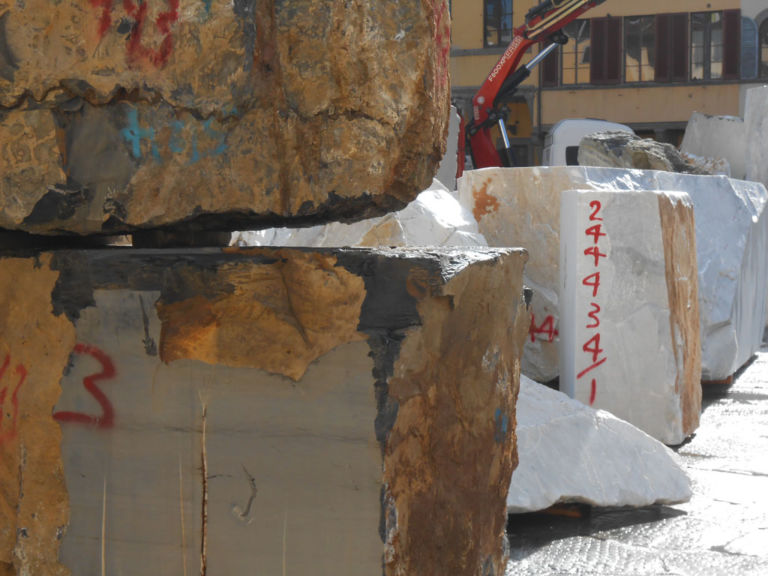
[[272, 410]]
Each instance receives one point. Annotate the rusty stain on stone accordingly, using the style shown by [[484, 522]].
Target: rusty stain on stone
[[279, 317], [34, 506], [484, 203], [681, 270], [442, 456]]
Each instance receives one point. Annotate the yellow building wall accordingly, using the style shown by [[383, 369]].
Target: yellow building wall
[[470, 70], [640, 105]]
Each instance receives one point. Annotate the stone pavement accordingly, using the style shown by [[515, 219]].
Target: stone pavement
[[723, 530]]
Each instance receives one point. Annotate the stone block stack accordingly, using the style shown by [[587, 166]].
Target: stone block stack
[[225, 410]]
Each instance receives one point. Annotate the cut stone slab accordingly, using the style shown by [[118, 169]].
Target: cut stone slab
[[521, 207], [434, 218], [570, 453], [629, 308], [756, 124], [231, 405], [717, 137], [222, 115]]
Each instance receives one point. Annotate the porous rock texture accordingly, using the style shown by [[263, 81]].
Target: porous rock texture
[[615, 149], [123, 115], [238, 404]]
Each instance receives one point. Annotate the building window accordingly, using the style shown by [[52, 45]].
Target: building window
[[605, 59], [715, 41], [640, 49], [498, 22], [576, 53], [671, 48], [763, 49]]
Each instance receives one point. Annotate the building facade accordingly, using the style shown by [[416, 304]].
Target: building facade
[[647, 64]]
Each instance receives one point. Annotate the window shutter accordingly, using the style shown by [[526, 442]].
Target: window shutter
[[672, 48], [605, 61], [550, 69], [662, 48], [597, 60], [731, 43], [679, 44], [613, 51]]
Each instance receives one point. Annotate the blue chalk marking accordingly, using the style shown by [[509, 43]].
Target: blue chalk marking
[[502, 426], [222, 145], [176, 143], [134, 134]]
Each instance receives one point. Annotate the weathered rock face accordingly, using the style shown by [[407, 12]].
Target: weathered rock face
[[231, 405], [624, 467], [116, 116], [625, 150], [629, 309], [521, 207]]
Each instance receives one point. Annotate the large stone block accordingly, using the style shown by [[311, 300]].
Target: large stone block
[[624, 467], [116, 116], [756, 128], [521, 207], [305, 412], [717, 138], [629, 308]]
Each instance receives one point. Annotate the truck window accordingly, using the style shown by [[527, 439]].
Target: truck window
[[572, 156]]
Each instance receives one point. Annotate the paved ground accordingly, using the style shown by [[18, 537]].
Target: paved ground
[[723, 530]]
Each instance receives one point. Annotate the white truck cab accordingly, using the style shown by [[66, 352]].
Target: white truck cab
[[561, 146]]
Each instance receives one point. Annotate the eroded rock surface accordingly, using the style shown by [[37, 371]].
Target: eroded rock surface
[[616, 149], [235, 404], [117, 116]]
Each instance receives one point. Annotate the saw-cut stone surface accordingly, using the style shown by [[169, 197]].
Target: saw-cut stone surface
[[717, 138], [629, 308], [117, 116], [756, 127], [521, 207], [571, 453], [303, 411]]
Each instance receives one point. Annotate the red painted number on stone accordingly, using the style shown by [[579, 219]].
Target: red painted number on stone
[[107, 417], [592, 281], [595, 231], [593, 315], [10, 412], [595, 205], [594, 251], [547, 328]]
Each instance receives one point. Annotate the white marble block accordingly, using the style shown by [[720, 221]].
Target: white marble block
[[629, 318], [564, 447], [521, 207], [756, 124]]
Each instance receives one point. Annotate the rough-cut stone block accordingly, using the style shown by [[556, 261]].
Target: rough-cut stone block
[[756, 124], [521, 207], [434, 218], [304, 412], [623, 466], [629, 308], [116, 116], [716, 138], [616, 149]]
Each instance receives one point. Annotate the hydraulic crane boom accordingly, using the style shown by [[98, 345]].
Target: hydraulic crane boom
[[543, 22]]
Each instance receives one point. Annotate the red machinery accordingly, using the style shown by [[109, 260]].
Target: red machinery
[[542, 23]]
